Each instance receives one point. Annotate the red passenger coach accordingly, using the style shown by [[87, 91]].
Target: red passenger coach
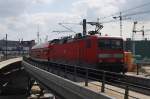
[[92, 51]]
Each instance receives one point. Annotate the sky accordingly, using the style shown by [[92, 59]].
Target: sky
[[21, 18]]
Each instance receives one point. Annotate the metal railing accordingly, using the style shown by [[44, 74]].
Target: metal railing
[[88, 74]]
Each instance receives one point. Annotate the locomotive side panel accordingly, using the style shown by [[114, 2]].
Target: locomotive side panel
[[91, 51]]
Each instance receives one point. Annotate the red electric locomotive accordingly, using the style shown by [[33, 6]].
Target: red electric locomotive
[[93, 51]]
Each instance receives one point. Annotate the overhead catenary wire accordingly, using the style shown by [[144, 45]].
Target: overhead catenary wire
[[121, 17], [136, 7], [137, 13], [67, 27], [124, 14], [70, 23], [123, 11], [127, 15], [109, 16], [127, 10], [110, 21]]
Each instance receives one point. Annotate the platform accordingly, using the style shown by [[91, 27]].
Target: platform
[[144, 72], [113, 91]]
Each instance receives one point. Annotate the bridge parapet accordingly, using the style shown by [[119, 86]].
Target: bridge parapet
[[64, 87], [5, 63]]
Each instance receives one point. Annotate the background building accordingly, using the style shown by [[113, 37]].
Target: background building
[[142, 47], [15, 47]]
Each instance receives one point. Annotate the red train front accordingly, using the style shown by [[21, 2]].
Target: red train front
[[92, 51]]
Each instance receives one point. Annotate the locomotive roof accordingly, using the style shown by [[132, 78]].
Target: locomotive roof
[[111, 37], [43, 45], [46, 45]]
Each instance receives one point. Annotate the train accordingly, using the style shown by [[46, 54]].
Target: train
[[92, 51]]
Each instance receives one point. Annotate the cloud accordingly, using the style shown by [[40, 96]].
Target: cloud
[[96, 8], [17, 7], [12, 7], [25, 25], [42, 1], [19, 23]]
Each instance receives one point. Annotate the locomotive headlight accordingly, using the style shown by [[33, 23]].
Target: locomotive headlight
[[118, 55], [105, 55]]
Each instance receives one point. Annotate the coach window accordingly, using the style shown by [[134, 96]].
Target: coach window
[[88, 43]]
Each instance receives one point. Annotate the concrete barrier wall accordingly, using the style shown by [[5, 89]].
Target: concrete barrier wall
[[64, 87]]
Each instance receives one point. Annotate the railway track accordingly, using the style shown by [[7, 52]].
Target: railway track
[[137, 84]]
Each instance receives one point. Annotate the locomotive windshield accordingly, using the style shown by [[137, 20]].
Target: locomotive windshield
[[116, 44]]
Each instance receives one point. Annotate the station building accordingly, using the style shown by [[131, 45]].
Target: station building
[[15, 47]]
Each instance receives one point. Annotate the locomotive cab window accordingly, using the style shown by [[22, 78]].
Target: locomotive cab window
[[110, 44]]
